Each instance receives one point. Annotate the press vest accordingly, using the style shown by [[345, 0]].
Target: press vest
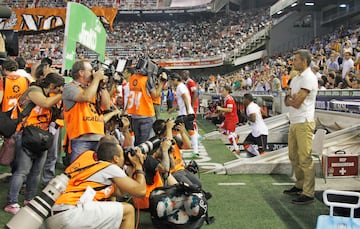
[[178, 160], [40, 117], [143, 203], [139, 101], [81, 169], [83, 118], [15, 86]]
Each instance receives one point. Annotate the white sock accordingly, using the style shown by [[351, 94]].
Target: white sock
[[232, 139], [194, 143]]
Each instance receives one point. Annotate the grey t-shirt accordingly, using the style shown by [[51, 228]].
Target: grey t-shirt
[[71, 90], [106, 174]]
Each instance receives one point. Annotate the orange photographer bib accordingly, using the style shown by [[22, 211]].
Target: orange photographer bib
[[15, 86], [139, 101], [83, 118], [81, 169]]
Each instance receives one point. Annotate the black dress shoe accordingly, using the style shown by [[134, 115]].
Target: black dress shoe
[[302, 200], [293, 191]]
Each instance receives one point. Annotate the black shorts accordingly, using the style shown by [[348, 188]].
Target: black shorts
[[260, 141]]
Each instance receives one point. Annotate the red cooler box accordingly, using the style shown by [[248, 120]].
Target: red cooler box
[[340, 164]]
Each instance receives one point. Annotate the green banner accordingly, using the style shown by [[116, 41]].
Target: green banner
[[84, 27]]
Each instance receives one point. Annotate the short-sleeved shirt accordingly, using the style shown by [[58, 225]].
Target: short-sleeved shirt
[[105, 175], [229, 103], [192, 87], [71, 90], [347, 65], [275, 85], [308, 81], [258, 127], [181, 89]]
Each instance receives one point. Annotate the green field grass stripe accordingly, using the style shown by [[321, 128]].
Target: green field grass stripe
[[282, 184], [231, 184]]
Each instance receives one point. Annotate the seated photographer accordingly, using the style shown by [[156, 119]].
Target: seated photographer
[[92, 182], [214, 115], [164, 130]]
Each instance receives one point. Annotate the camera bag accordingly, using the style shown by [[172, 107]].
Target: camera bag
[[8, 125], [36, 139], [179, 206], [33, 138]]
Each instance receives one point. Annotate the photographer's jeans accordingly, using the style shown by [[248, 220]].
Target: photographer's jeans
[[79, 146], [51, 158], [28, 167], [142, 128]]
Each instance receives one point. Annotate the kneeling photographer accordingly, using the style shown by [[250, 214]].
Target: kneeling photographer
[[163, 129], [92, 181], [156, 166]]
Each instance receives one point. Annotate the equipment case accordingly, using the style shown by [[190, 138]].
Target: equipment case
[[340, 164]]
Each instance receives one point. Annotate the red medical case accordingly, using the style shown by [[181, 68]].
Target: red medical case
[[340, 164]]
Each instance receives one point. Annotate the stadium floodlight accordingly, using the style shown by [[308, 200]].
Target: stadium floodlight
[[309, 3], [342, 5]]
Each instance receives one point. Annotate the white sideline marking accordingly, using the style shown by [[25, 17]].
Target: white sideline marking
[[4, 175], [231, 184], [283, 184]]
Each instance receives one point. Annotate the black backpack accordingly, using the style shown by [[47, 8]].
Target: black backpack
[[179, 206]]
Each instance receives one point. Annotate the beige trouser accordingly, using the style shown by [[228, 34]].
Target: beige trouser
[[299, 145]]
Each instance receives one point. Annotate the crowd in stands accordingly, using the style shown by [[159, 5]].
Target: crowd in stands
[[202, 37], [336, 63], [126, 4], [166, 39]]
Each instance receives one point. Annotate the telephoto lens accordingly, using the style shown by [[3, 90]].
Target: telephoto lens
[[37, 210], [150, 145]]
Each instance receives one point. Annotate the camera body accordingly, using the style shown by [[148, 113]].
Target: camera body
[[183, 119], [119, 121], [109, 71], [34, 213], [147, 68]]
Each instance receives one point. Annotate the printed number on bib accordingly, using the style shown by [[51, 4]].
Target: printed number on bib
[[134, 99]]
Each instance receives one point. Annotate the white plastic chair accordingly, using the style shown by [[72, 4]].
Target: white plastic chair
[[317, 148], [335, 222]]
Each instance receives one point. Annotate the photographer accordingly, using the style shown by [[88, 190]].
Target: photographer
[[119, 127], [76, 208], [186, 111], [85, 99], [29, 161], [140, 102], [156, 169], [163, 129]]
